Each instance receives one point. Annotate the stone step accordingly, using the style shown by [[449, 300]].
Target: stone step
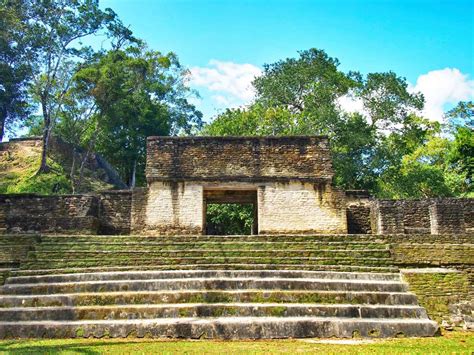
[[106, 245], [209, 296], [222, 328], [111, 261], [193, 253], [9, 264], [144, 274], [277, 267], [214, 238], [421, 238], [4, 273], [220, 283], [203, 310]]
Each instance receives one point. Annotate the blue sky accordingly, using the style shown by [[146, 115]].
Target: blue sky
[[225, 43]]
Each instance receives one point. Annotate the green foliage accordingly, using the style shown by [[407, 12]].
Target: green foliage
[[462, 114], [137, 93], [310, 82], [57, 29], [386, 149], [257, 120], [16, 54], [461, 154], [224, 219]]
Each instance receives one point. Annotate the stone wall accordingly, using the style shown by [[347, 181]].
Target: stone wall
[[29, 213], [425, 216], [104, 213], [416, 216], [175, 207], [296, 207], [358, 209], [250, 159], [387, 217], [293, 207], [138, 210], [447, 216], [468, 207], [445, 294], [114, 213]]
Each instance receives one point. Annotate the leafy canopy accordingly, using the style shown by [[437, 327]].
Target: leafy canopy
[[386, 147]]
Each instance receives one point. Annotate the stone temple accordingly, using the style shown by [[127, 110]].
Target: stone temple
[[320, 262], [287, 179]]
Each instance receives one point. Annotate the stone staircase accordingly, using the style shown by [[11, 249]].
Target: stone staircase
[[227, 287]]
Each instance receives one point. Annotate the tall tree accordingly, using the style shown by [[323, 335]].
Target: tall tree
[[138, 93], [303, 96], [461, 126], [17, 49], [59, 26]]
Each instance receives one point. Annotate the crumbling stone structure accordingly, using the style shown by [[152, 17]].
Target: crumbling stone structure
[[424, 216], [286, 179]]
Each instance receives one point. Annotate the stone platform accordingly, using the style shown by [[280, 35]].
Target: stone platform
[[225, 287]]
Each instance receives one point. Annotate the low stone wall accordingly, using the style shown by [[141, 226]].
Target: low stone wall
[[114, 212], [138, 210], [445, 294], [358, 210], [105, 213], [29, 213], [425, 216], [416, 216], [328, 211]]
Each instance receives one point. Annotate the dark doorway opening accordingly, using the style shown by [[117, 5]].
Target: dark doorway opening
[[230, 212]]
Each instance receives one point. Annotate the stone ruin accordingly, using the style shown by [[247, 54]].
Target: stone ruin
[[288, 180], [322, 262]]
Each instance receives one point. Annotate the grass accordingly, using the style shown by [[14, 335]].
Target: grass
[[19, 165], [450, 343]]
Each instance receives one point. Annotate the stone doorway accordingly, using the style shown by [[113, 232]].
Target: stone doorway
[[222, 196]]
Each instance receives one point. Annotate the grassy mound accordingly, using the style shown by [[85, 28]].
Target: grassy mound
[[20, 160]]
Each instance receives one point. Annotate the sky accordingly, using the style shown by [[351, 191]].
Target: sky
[[225, 44]]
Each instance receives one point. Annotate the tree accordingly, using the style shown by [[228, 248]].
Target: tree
[[462, 114], [58, 27], [17, 50], [138, 93], [222, 219], [386, 100], [301, 96], [257, 120], [310, 82], [461, 153]]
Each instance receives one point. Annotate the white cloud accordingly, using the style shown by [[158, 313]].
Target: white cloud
[[222, 100], [351, 104], [443, 87], [230, 81]]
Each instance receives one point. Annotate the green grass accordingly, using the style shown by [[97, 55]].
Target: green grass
[[18, 173], [449, 343]]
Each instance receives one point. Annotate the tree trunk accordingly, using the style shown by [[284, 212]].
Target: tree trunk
[[86, 156], [44, 168], [134, 173], [73, 168], [3, 118]]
